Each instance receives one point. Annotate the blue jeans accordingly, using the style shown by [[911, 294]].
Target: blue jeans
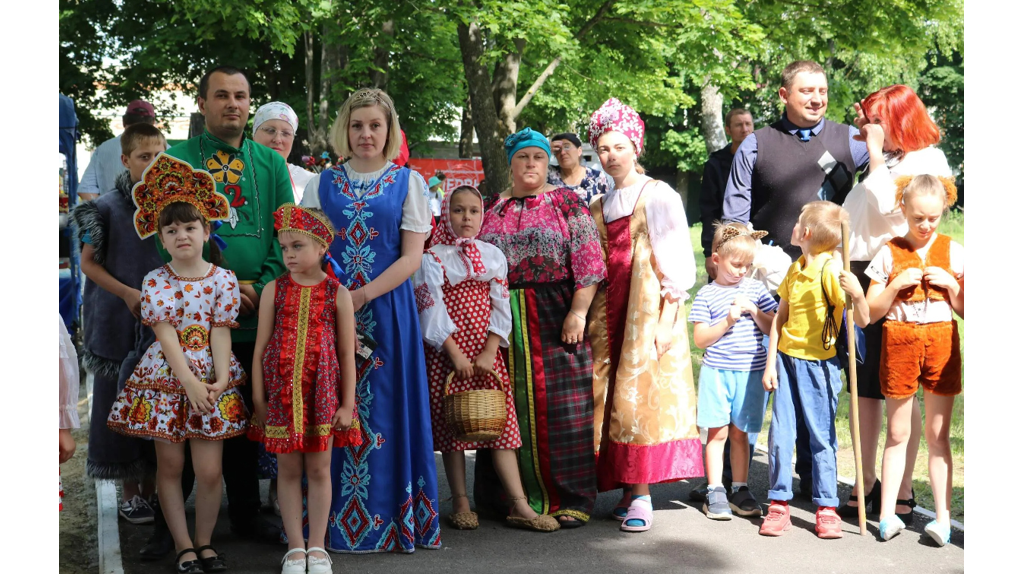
[[803, 448], [803, 454], [807, 397]]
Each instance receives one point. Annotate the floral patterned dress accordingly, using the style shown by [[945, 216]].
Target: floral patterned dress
[[153, 402], [593, 184], [553, 250]]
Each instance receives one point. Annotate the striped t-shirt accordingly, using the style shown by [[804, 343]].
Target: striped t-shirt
[[740, 348]]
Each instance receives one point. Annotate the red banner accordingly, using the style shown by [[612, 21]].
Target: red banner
[[458, 171]]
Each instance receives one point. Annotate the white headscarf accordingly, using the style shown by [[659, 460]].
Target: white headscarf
[[275, 111]]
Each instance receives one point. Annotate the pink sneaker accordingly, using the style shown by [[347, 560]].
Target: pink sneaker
[[827, 523], [776, 522]]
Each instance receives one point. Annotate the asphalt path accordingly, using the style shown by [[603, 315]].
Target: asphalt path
[[682, 540]]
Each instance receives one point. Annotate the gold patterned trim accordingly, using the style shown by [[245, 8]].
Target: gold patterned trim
[[583, 516], [300, 356], [285, 432]]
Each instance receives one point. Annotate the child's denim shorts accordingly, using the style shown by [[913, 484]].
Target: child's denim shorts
[[727, 396]]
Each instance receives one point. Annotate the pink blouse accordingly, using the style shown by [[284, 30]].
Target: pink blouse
[[547, 238]]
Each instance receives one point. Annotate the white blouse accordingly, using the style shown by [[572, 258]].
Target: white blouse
[[68, 374], [300, 178], [875, 217], [415, 210], [435, 318], [667, 228], [927, 311]]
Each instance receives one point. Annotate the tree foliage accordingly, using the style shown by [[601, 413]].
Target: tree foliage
[[546, 64]]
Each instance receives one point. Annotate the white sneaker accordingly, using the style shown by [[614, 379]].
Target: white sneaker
[[318, 565], [294, 566]]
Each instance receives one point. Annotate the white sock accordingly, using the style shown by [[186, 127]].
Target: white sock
[[736, 486], [714, 486]]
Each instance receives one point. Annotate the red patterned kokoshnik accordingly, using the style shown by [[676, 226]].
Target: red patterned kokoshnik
[[292, 218]]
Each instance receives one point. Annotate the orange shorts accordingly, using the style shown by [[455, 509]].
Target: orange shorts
[[914, 353]]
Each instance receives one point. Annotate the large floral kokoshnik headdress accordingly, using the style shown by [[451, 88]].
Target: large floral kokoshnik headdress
[[168, 180]]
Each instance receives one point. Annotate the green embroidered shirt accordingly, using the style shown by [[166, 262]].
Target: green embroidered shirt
[[255, 180]]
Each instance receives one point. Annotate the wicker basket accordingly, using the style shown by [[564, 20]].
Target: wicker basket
[[476, 415]]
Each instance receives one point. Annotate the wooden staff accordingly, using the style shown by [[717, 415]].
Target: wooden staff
[[851, 337]]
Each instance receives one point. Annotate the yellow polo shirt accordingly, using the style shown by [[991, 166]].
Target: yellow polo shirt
[[801, 335]]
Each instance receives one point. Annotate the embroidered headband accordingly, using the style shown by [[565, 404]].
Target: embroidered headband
[[292, 218], [732, 232], [947, 183], [615, 116], [168, 180]]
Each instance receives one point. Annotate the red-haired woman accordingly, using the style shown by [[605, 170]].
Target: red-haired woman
[[901, 140]]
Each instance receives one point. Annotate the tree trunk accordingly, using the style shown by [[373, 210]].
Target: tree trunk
[[315, 135], [503, 85], [690, 205], [490, 132], [711, 118], [196, 124], [379, 73], [466, 132]]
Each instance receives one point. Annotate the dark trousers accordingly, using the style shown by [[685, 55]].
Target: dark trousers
[[239, 463]]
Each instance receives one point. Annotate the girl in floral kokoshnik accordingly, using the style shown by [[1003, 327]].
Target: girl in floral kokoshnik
[[304, 380], [645, 407], [184, 386], [463, 300]]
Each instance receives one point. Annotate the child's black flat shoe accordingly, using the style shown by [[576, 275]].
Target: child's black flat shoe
[[189, 567], [213, 563]]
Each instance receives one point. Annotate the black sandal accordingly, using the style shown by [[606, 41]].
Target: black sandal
[[213, 563], [872, 502], [907, 518], [569, 522], [190, 567]]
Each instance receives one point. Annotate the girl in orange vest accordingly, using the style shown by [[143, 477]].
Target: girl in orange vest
[[914, 286]]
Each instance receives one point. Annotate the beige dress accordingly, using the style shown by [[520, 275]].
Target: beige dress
[[645, 407]]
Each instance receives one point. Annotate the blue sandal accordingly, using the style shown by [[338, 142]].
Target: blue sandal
[[619, 512]]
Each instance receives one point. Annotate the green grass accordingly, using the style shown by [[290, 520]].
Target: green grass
[[952, 225]]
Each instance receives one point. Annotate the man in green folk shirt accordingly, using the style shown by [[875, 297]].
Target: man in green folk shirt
[[255, 180]]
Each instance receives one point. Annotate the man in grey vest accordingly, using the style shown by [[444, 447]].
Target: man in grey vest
[[780, 168], [799, 159]]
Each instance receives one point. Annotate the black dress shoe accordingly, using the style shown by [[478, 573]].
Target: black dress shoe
[[257, 529], [160, 544]]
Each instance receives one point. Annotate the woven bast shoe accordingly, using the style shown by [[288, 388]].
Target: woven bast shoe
[[463, 520], [539, 523]]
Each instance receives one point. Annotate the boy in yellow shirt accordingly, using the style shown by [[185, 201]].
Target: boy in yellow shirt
[[803, 369]]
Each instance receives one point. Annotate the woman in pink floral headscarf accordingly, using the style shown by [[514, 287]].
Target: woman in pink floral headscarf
[[645, 407]]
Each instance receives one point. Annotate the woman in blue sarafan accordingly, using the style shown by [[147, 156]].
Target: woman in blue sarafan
[[385, 491]]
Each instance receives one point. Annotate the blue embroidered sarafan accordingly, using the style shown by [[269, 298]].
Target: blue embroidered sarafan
[[385, 490]]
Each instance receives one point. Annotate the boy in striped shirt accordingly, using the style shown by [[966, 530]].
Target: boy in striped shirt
[[730, 317]]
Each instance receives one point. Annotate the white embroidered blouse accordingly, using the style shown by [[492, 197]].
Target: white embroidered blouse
[[667, 228], [435, 319]]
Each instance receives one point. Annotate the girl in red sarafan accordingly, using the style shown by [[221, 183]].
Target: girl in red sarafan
[[463, 301], [304, 380], [184, 387]]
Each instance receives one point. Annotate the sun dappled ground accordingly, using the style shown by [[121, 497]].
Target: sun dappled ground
[[952, 225]]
